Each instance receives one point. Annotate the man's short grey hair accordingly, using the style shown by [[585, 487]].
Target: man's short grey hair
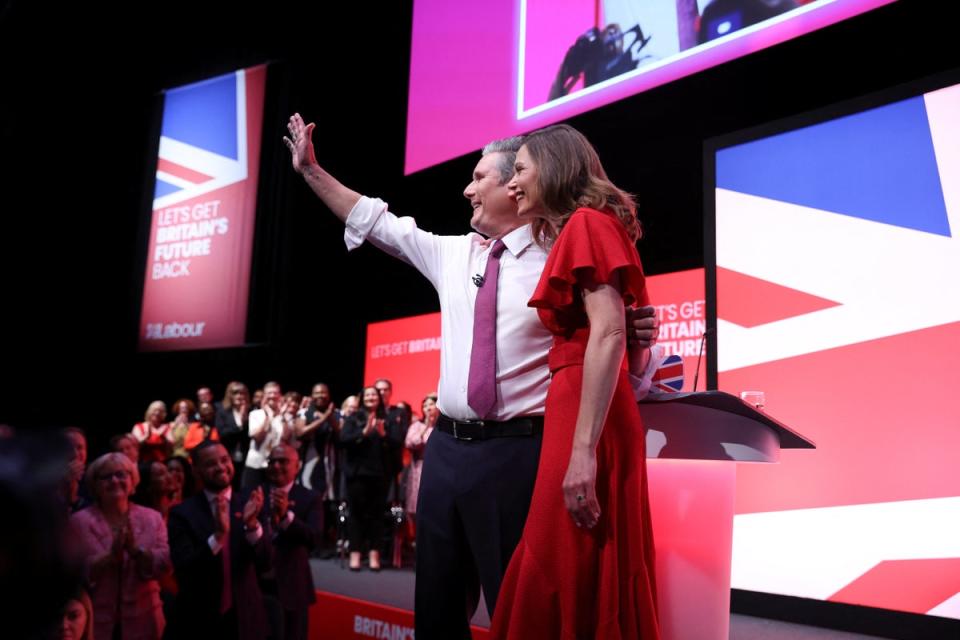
[[508, 148]]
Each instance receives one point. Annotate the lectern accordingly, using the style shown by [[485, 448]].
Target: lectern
[[693, 443]]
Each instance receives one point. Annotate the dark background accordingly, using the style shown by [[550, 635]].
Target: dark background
[[79, 118]]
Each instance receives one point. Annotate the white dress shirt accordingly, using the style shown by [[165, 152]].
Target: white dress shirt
[[257, 423], [449, 263]]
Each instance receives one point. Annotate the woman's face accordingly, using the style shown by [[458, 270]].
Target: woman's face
[[114, 482], [157, 414], [430, 409], [371, 399], [183, 409], [130, 447], [74, 621], [161, 482], [524, 188], [177, 474]]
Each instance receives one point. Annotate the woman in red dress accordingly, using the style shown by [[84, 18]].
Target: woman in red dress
[[585, 565]]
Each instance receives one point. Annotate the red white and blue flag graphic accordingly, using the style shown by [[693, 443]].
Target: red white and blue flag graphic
[[838, 296], [197, 280], [668, 378]]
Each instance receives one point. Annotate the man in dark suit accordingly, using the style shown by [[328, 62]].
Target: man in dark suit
[[294, 517], [218, 547], [397, 422]]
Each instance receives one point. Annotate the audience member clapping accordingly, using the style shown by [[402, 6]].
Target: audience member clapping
[[153, 434], [125, 552]]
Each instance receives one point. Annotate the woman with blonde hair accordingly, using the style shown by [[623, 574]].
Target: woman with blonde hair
[[125, 552], [232, 423], [154, 436]]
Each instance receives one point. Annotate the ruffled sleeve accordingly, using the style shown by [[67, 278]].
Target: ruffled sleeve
[[593, 248]]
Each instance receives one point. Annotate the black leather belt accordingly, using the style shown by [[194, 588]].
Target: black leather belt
[[486, 429]]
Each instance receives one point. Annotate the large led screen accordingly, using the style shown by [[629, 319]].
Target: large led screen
[[837, 295], [197, 278], [486, 70]]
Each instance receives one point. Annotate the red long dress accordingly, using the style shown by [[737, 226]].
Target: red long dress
[[563, 581]]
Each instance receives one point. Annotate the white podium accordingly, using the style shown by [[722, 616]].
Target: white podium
[[693, 441]]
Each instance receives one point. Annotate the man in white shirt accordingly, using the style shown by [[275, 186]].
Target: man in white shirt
[[478, 471], [266, 429]]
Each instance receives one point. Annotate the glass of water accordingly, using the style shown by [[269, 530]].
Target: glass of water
[[756, 398]]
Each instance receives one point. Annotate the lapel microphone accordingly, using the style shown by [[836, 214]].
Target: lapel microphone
[[478, 280]]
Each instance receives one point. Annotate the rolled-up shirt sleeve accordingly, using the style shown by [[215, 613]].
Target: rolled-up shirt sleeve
[[369, 220], [641, 385]]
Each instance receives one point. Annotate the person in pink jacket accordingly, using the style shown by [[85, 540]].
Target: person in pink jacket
[[416, 441], [124, 551]]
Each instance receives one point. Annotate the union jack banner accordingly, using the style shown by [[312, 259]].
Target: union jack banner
[[668, 378], [836, 260]]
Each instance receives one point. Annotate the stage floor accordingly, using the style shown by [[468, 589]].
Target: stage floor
[[394, 588]]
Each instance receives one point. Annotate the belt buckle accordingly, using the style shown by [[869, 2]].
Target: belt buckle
[[458, 436]]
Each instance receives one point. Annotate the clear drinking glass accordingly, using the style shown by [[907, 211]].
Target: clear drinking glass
[[756, 398]]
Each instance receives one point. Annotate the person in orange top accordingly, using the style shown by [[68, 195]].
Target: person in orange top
[[203, 430]]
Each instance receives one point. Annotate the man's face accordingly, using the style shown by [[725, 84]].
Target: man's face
[[321, 396], [494, 213], [204, 395], [282, 466], [207, 413], [350, 406], [271, 397], [386, 390], [214, 468], [79, 444]]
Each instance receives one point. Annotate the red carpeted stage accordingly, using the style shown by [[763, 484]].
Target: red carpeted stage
[[368, 604]]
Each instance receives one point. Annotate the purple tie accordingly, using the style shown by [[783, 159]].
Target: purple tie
[[481, 385]]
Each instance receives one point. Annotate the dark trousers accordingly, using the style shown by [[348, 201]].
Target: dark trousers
[[295, 624], [214, 627], [367, 499], [474, 498], [285, 624]]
